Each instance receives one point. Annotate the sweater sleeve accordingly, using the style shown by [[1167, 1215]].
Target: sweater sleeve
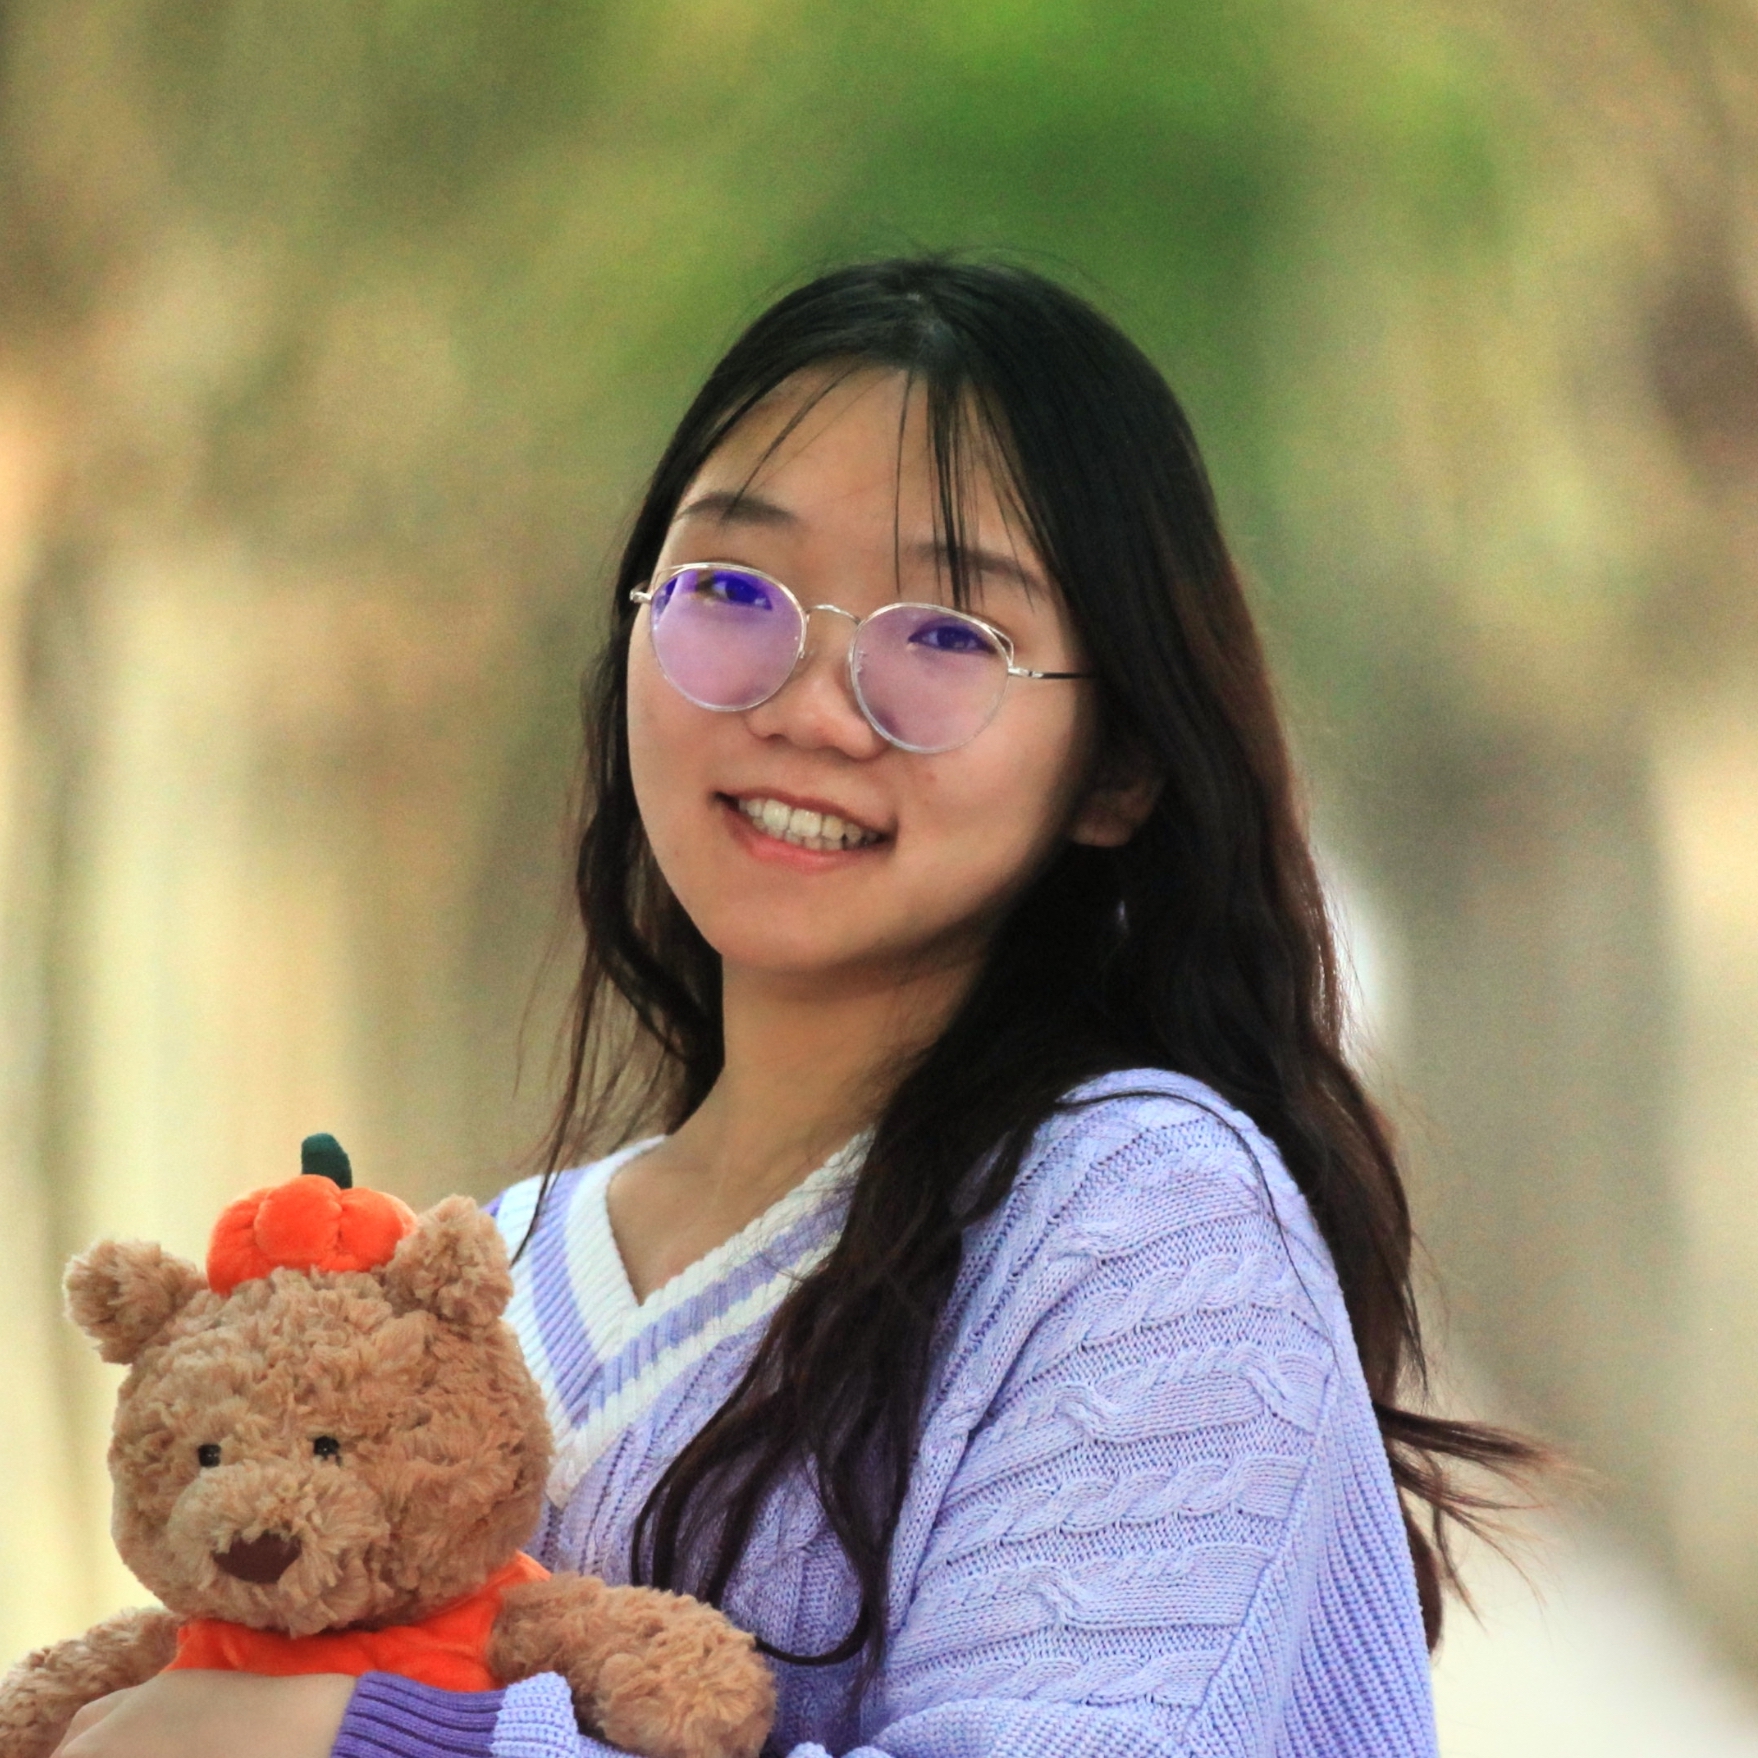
[[390, 1717], [1164, 1522]]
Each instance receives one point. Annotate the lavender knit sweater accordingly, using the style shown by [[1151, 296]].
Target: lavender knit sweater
[[1150, 1512]]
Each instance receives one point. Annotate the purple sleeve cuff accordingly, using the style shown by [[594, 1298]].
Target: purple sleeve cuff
[[537, 1721], [391, 1717]]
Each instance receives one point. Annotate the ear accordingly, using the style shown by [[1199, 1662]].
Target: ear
[[453, 1265], [1118, 799], [123, 1293]]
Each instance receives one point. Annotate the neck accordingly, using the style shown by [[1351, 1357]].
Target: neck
[[807, 1067]]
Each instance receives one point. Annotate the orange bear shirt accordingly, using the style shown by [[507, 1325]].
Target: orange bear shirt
[[446, 1650]]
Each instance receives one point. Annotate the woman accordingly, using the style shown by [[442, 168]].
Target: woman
[[1010, 1326]]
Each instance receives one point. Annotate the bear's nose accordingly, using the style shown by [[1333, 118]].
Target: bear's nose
[[261, 1561]]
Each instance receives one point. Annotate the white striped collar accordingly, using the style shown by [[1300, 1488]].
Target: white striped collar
[[572, 1338]]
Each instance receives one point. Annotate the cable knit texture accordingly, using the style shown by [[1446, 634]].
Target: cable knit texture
[[1150, 1510]]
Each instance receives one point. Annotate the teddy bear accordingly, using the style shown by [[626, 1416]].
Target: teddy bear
[[326, 1455]]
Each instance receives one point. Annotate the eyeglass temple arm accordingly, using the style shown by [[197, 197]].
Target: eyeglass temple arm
[[640, 595], [1022, 671]]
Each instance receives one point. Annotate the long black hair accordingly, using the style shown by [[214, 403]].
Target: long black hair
[[1202, 945]]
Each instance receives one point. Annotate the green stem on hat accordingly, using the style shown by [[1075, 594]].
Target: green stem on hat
[[322, 1155]]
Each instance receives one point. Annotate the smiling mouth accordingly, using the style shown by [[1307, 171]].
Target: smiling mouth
[[804, 828]]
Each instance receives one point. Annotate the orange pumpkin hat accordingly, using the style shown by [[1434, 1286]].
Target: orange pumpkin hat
[[316, 1221]]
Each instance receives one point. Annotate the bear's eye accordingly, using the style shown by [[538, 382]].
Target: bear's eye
[[207, 1454], [326, 1446]]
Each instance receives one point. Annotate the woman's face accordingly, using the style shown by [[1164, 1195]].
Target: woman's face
[[842, 512]]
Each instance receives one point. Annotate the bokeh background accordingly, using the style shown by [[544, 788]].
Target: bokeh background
[[335, 338]]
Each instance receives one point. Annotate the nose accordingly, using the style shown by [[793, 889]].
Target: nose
[[260, 1561], [816, 707]]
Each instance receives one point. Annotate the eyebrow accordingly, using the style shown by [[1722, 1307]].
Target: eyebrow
[[980, 562], [731, 506]]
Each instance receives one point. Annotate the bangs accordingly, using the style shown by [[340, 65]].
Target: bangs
[[969, 447]]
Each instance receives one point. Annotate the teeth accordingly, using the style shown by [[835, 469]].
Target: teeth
[[803, 828]]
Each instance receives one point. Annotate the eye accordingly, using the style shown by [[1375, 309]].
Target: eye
[[326, 1446], [727, 587], [207, 1455], [952, 637]]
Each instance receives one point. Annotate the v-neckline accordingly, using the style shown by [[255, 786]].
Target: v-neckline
[[619, 1310], [625, 1355]]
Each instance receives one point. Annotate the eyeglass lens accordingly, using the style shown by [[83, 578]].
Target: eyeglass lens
[[927, 678], [725, 639]]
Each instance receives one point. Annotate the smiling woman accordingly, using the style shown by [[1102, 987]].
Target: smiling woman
[[831, 482], [1011, 1325]]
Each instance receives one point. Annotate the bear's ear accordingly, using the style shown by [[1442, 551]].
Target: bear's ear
[[124, 1292], [453, 1265]]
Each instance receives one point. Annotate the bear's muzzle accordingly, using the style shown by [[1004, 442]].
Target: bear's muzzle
[[260, 1561]]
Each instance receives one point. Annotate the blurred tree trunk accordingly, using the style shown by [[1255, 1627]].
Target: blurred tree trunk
[[47, 1480], [1707, 758], [1541, 1049]]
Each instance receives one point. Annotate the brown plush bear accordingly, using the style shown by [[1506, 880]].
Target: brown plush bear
[[326, 1455]]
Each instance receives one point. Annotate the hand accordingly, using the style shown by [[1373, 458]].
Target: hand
[[191, 1714]]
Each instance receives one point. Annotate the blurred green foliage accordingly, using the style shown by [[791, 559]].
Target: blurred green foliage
[[596, 194]]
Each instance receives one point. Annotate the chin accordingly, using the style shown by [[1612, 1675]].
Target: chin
[[836, 962], [798, 959]]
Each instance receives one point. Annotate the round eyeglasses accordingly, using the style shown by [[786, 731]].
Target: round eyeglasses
[[926, 677]]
